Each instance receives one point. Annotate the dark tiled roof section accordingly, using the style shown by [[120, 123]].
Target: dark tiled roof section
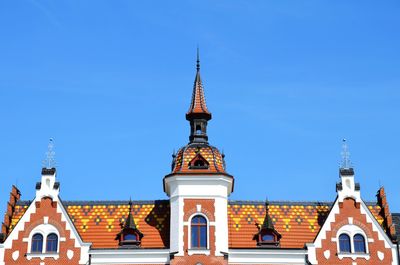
[[396, 221]]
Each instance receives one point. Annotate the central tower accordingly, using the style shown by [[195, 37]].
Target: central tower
[[198, 187]]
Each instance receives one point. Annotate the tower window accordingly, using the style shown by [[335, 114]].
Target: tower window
[[37, 243], [359, 244], [52, 243], [198, 129], [344, 243], [199, 232], [198, 162]]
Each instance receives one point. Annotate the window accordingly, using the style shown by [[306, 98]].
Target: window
[[37, 243], [198, 129], [52, 243], [267, 237], [344, 243], [199, 232], [130, 237], [359, 244]]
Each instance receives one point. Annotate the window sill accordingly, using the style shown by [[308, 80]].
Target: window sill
[[42, 256], [354, 256], [198, 252]]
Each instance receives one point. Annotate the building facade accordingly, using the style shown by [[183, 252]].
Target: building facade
[[198, 224]]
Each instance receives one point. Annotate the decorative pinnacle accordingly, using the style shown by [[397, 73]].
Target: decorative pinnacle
[[50, 162], [198, 59], [346, 163]]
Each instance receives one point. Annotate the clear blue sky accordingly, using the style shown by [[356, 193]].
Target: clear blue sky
[[111, 81]]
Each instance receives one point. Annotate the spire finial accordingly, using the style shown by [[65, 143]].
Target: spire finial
[[49, 161], [198, 59], [346, 163]]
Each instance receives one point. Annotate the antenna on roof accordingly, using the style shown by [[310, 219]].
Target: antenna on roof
[[49, 161], [346, 163]]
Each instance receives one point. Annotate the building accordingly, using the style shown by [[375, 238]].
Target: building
[[198, 224]]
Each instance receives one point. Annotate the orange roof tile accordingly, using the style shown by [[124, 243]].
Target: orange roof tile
[[297, 222], [184, 155], [198, 102], [100, 222]]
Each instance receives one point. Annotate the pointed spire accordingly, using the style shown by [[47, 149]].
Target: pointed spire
[[267, 224], [346, 163], [198, 60], [130, 222], [198, 106], [50, 162]]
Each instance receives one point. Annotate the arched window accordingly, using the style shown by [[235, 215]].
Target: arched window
[[52, 243], [344, 243], [199, 232], [359, 244], [37, 243]]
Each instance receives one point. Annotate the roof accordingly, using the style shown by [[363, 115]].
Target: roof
[[297, 222], [198, 103], [99, 222], [210, 153], [396, 221]]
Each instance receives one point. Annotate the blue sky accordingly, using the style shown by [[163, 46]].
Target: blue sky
[[111, 81]]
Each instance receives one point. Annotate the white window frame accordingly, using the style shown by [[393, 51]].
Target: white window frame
[[44, 230], [191, 250], [352, 230]]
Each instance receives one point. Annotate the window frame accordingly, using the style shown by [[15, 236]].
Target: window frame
[[45, 230], [190, 246], [351, 230], [364, 244], [47, 242], [350, 244], [32, 243]]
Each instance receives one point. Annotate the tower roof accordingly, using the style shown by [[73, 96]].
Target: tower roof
[[198, 107]]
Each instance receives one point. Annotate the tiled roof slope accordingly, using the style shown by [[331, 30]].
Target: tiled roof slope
[[396, 221], [99, 222], [187, 153], [297, 222]]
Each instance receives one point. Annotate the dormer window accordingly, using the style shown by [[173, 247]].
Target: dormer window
[[198, 162], [130, 236], [267, 236]]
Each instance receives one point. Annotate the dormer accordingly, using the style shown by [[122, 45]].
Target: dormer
[[130, 236], [267, 236]]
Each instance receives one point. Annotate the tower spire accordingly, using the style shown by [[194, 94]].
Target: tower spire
[[198, 113], [198, 59]]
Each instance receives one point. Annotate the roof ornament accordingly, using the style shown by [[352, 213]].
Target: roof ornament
[[50, 162], [346, 163], [198, 59]]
